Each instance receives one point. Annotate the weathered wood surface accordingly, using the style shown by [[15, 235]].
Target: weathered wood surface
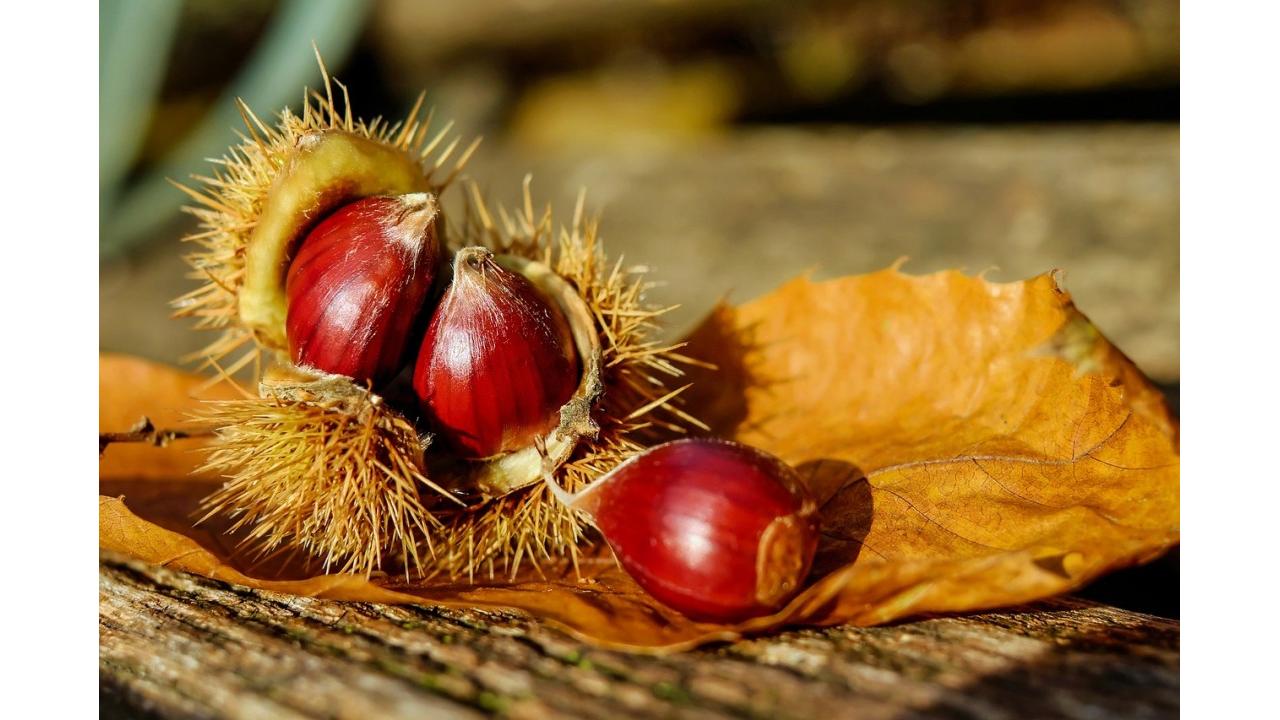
[[177, 645]]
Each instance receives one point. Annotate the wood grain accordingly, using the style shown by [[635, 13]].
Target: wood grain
[[178, 645]]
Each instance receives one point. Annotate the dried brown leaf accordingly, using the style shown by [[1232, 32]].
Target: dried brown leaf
[[975, 444], [130, 389]]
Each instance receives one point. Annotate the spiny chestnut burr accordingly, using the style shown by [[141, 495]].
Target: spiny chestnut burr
[[498, 360], [716, 530], [357, 283]]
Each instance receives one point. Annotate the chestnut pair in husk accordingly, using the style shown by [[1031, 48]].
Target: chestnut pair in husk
[[539, 397], [497, 361]]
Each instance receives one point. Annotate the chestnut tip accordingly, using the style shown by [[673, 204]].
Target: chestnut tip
[[472, 258]]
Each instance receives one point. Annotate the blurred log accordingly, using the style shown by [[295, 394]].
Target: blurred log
[[738, 214], [789, 55], [176, 645]]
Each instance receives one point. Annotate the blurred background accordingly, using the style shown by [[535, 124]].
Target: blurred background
[[730, 144]]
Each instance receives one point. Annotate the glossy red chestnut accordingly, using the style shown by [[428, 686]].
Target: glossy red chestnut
[[717, 530], [357, 283], [498, 360]]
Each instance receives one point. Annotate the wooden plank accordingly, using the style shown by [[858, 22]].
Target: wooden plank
[[177, 645]]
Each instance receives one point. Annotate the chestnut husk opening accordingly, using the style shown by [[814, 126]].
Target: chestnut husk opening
[[329, 168], [484, 479], [474, 482]]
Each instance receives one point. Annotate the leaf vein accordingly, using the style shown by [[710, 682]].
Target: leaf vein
[[946, 529]]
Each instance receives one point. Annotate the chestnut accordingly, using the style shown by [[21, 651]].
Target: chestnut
[[714, 529], [498, 360], [358, 282]]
